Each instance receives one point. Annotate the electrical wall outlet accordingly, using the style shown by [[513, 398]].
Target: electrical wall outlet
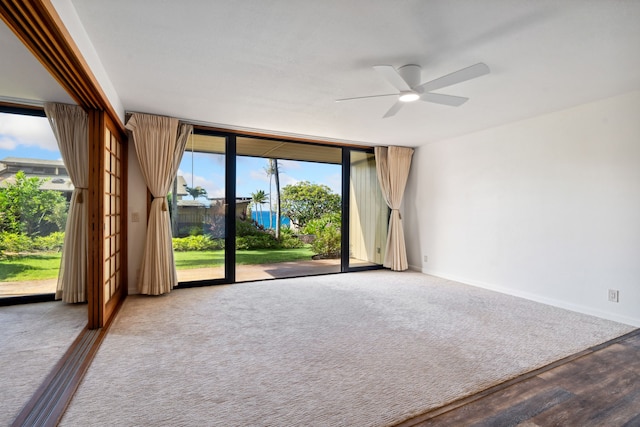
[[425, 258], [614, 295]]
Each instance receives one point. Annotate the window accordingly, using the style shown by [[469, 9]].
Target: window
[[33, 204], [224, 204]]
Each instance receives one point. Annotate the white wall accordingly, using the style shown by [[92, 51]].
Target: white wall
[[136, 230], [546, 208]]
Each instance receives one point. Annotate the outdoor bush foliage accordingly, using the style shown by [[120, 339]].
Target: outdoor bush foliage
[[197, 243], [263, 241], [327, 243], [15, 242], [288, 240], [250, 236], [51, 242], [195, 231], [24, 208], [247, 228], [328, 237], [315, 226]]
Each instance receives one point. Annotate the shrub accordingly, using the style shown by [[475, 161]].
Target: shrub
[[247, 228], [327, 242], [315, 226], [195, 230], [50, 242], [288, 240], [261, 241], [197, 243], [15, 242], [249, 235]]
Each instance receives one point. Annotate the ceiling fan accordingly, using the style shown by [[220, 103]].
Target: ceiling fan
[[407, 80]]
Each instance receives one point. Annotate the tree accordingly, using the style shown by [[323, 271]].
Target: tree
[[273, 171], [305, 201], [27, 209], [258, 198], [270, 170], [196, 192], [276, 174]]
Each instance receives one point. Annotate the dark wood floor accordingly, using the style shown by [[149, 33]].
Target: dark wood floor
[[599, 387]]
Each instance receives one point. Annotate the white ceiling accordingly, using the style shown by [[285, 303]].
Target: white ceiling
[[278, 66], [22, 78]]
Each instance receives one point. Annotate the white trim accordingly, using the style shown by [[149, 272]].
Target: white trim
[[537, 298], [20, 101], [266, 132]]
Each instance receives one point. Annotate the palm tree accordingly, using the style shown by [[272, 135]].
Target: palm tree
[[276, 174], [196, 192], [269, 170], [258, 198]]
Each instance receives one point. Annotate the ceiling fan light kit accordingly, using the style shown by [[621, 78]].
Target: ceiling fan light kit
[[406, 80], [408, 96]]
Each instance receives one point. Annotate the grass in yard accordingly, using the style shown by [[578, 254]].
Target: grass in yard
[[21, 268], [200, 259]]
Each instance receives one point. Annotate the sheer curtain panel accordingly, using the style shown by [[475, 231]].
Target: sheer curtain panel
[[70, 127], [159, 143], [392, 167]]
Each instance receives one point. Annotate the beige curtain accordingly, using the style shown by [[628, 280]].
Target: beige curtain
[[159, 142], [392, 167], [70, 127]]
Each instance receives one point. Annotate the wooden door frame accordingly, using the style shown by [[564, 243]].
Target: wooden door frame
[[99, 311], [37, 24]]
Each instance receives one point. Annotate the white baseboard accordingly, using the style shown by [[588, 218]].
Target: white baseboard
[[415, 268], [539, 298]]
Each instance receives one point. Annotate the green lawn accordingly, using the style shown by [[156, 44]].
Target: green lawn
[[46, 266], [198, 259], [30, 267]]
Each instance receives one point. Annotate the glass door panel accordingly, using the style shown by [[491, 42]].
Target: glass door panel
[[199, 211], [368, 213], [306, 178], [35, 190]]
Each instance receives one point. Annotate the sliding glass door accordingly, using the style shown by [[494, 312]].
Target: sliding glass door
[[252, 208], [199, 211], [368, 212], [302, 237]]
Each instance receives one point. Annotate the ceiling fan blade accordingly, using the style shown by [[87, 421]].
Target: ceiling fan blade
[[456, 77], [392, 76], [365, 97], [438, 98], [394, 109]]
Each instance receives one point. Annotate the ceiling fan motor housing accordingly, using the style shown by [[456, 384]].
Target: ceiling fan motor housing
[[411, 74]]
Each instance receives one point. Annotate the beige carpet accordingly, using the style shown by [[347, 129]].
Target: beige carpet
[[361, 349], [33, 337]]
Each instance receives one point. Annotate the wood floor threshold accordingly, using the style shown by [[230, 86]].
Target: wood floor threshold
[[49, 402], [432, 413]]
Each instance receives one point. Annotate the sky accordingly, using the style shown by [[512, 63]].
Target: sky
[[27, 136], [207, 171], [31, 137]]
